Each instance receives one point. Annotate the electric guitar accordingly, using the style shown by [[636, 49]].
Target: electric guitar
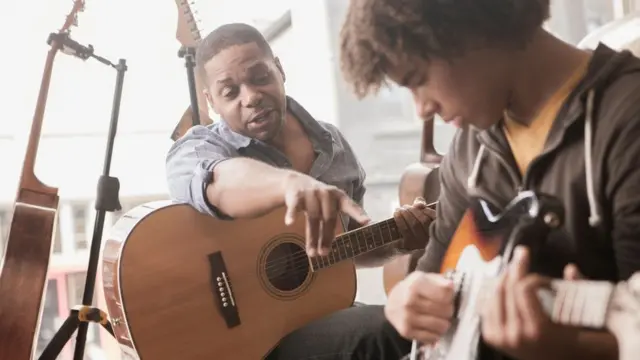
[[476, 260], [26, 259], [189, 34], [183, 285]]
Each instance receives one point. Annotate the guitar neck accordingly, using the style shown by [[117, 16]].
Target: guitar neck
[[580, 303], [358, 242], [28, 179]]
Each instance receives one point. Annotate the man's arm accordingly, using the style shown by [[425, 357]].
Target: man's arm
[[206, 172]]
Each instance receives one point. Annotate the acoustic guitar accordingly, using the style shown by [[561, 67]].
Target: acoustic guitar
[[418, 179], [26, 259], [188, 33], [481, 248], [183, 285]]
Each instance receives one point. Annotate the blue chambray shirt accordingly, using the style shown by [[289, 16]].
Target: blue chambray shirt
[[191, 159]]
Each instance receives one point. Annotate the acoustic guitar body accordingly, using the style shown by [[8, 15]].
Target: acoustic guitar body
[[183, 285], [24, 272]]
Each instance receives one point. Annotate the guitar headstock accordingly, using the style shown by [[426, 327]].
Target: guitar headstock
[[72, 17], [188, 30], [623, 316]]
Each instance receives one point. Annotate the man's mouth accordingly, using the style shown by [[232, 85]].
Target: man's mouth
[[261, 116]]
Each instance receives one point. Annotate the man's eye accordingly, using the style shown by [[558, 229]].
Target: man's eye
[[228, 91], [261, 79]]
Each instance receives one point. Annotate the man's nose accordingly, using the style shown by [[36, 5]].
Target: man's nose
[[426, 109], [251, 97]]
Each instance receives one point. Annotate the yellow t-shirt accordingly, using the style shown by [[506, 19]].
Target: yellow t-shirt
[[527, 142]]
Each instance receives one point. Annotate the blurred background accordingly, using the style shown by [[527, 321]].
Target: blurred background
[[384, 130]]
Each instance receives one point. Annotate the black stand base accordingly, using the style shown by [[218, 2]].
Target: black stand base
[[79, 314]]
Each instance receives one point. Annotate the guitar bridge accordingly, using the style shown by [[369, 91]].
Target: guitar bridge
[[223, 291]]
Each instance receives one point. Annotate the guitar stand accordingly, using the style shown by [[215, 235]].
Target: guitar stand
[[107, 200], [189, 53]]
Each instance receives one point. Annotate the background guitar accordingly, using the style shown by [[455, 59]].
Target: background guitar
[[26, 258], [189, 34], [418, 179]]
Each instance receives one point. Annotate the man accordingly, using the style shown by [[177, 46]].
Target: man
[[268, 152], [534, 113]]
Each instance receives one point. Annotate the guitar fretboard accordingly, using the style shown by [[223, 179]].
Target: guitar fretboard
[[578, 303], [357, 242], [581, 303]]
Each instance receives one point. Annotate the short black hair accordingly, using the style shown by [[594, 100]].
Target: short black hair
[[226, 36], [378, 34]]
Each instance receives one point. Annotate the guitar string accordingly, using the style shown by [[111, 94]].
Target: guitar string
[[301, 258], [299, 261], [301, 254]]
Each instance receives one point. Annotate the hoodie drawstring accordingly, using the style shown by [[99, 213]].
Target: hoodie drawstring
[[594, 215], [472, 181]]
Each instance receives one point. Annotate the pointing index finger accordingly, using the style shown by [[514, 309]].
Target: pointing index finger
[[352, 209]]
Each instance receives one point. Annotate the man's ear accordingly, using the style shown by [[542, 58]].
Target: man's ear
[[207, 95], [279, 66]]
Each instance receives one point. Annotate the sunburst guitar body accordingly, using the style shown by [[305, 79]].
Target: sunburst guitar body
[[183, 285]]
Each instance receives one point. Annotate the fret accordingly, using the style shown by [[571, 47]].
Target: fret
[[379, 228], [321, 261], [371, 239], [335, 247], [353, 239], [350, 253], [580, 303], [391, 234], [331, 255]]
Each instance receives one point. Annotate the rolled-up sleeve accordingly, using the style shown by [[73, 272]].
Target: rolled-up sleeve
[[189, 167]]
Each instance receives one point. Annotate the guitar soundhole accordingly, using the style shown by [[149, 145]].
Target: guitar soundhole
[[287, 266]]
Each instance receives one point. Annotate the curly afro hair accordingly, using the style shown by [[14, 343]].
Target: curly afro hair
[[378, 34]]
